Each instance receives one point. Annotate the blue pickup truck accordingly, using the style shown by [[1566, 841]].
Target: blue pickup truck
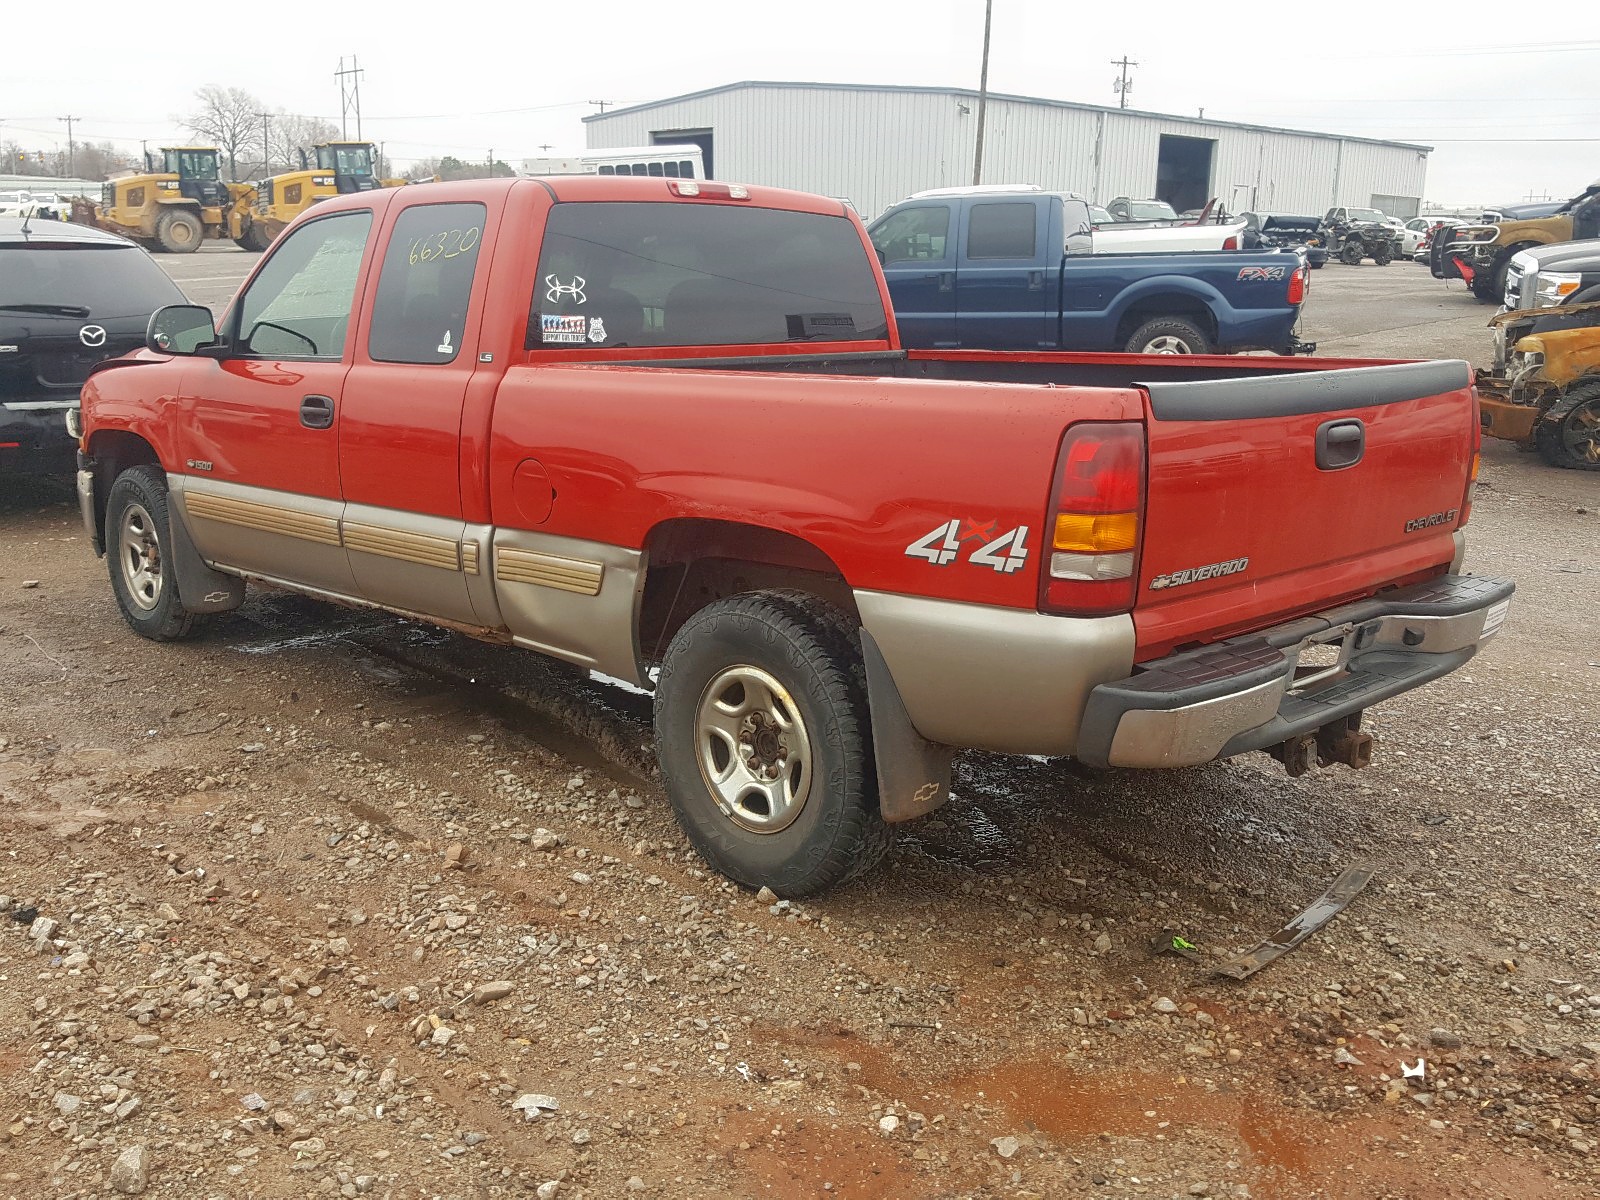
[[1015, 270]]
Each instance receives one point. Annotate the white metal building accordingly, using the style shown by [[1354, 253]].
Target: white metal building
[[875, 145]]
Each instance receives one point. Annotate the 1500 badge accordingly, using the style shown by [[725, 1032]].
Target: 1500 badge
[[1429, 521], [1198, 574]]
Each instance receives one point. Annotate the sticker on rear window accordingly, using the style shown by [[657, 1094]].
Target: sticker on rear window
[[563, 331], [556, 290]]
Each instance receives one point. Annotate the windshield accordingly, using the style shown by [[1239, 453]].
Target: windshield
[[345, 160], [1366, 215], [634, 274], [1150, 210], [1099, 216], [192, 164], [110, 281]]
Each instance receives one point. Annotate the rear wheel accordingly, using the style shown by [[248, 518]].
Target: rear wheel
[[179, 231], [1350, 253], [1383, 255], [1572, 440], [765, 742], [138, 554], [1168, 335]]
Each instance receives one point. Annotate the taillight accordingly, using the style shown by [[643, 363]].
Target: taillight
[[1231, 244], [1297, 286], [1092, 566], [1477, 458]]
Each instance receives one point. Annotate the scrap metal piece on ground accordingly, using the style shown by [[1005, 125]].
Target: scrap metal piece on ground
[[1172, 942], [1327, 906]]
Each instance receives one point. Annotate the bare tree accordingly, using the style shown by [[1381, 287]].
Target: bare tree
[[290, 135], [228, 118]]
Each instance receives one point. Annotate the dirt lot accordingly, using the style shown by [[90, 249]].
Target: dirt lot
[[323, 897]]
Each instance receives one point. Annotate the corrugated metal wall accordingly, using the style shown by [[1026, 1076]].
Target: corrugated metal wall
[[878, 146]]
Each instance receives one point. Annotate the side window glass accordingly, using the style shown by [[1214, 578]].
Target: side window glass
[[1002, 231], [914, 235], [421, 308], [299, 305]]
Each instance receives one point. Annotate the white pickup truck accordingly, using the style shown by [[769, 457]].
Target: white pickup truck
[[1119, 237]]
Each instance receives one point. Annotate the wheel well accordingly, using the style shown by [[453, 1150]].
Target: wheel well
[[113, 451], [1171, 305], [694, 562]]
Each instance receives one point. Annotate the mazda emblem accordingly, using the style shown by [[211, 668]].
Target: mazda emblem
[[92, 335]]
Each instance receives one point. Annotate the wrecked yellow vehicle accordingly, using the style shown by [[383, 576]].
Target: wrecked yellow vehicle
[[1544, 390], [1481, 254]]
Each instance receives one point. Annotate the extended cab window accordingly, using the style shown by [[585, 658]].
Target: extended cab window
[[1002, 231], [697, 274], [914, 235], [426, 280], [298, 306]]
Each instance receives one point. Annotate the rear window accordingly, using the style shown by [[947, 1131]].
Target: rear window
[[690, 274], [110, 281]]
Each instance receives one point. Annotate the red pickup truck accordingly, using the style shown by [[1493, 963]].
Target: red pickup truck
[[663, 429]]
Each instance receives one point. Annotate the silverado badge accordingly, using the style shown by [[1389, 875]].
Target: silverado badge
[[1199, 574]]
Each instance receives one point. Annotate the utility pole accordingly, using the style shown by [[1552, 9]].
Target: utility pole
[[1123, 85], [349, 96], [546, 147], [71, 145], [266, 145], [491, 162], [602, 105], [983, 95]]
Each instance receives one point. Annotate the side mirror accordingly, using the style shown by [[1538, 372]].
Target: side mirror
[[182, 329]]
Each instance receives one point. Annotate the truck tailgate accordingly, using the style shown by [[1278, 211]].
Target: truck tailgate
[[1276, 496]]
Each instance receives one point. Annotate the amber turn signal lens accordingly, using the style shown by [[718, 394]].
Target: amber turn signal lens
[[1096, 533]]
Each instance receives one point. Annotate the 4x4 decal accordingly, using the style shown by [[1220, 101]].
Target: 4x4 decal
[[1005, 552]]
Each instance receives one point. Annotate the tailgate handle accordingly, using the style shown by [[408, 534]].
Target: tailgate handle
[[1340, 444]]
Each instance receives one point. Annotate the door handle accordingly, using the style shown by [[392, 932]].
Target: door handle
[[947, 280], [1340, 444], [316, 412], [1036, 281]]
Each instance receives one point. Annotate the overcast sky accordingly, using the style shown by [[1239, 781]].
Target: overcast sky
[[463, 79]]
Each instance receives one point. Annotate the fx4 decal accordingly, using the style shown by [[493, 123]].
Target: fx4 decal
[[1005, 552], [1261, 274]]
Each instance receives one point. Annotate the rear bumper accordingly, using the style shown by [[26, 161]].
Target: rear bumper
[[1254, 692], [34, 437]]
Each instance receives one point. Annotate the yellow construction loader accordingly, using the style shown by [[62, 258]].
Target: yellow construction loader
[[173, 209], [260, 215]]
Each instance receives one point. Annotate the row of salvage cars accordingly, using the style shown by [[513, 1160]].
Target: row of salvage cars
[[1543, 388]]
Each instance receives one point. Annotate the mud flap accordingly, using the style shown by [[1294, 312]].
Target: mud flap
[[913, 773], [201, 589]]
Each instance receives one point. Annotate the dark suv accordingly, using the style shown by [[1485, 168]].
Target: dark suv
[[70, 296]]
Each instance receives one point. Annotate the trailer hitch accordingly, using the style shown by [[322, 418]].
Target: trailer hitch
[[1338, 741]]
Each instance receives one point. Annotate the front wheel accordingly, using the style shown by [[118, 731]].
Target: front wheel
[[1350, 254], [139, 555], [765, 742], [1573, 439], [1383, 255], [1168, 335], [179, 231]]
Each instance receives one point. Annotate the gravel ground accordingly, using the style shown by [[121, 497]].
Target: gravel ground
[[331, 903]]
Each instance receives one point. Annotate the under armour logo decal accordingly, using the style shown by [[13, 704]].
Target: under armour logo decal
[[557, 289]]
